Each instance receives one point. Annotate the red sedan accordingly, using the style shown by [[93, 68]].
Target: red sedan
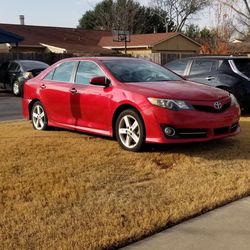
[[132, 99]]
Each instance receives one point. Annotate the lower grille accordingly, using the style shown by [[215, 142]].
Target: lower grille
[[234, 127], [185, 133], [221, 131], [226, 130], [192, 133]]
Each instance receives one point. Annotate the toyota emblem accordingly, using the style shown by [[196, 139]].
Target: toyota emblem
[[217, 105]]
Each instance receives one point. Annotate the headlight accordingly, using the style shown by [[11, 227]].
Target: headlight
[[233, 100], [170, 104], [27, 75]]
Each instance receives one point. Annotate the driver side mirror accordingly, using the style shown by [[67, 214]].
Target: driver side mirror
[[100, 81]]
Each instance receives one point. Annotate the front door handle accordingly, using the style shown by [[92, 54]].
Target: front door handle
[[73, 90], [43, 86], [209, 78]]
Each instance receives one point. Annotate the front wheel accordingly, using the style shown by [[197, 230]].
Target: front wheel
[[130, 131], [16, 88], [39, 117]]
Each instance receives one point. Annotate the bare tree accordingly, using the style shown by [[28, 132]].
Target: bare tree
[[111, 14], [125, 12], [241, 11], [178, 11]]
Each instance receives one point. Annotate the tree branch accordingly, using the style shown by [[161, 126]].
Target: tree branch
[[235, 9]]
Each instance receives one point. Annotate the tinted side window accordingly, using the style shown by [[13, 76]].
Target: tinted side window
[[87, 70], [14, 67], [64, 71], [243, 65], [203, 66], [178, 66], [225, 67]]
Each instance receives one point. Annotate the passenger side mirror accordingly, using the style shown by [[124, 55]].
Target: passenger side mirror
[[100, 81]]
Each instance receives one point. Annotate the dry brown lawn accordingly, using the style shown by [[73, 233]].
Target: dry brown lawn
[[67, 190]]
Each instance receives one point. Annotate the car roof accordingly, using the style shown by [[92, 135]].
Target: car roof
[[27, 61], [100, 58], [217, 57]]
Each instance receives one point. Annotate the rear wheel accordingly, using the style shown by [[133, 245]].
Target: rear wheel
[[39, 117], [130, 131]]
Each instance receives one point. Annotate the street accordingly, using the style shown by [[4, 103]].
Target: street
[[10, 106]]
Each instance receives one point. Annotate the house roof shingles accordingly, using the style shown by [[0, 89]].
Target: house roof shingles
[[140, 40], [72, 39]]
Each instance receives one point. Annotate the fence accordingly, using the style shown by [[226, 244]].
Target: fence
[[50, 58], [163, 57]]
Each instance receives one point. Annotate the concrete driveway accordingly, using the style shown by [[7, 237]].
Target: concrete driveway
[[10, 106], [225, 228]]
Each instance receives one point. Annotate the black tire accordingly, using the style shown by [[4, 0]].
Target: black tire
[[16, 88], [38, 117], [130, 130]]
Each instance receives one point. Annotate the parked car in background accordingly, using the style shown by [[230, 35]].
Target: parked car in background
[[13, 74], [225, 72], [134, 100]]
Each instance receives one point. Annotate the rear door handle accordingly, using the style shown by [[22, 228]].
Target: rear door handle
[[73, 90], [43, 86]]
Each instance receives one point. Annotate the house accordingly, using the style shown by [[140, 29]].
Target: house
[[159, 47], [6, 38], [240, 47], [42, 39]]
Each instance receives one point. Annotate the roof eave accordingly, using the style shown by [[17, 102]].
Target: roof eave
[[128, 47]]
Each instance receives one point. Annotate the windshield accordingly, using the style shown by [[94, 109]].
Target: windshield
[[243, 65], [133, 70], [30, 65]]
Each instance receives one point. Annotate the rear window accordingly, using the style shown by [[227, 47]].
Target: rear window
[[29, 65], [64, 71], [243, 65], [203, 66]]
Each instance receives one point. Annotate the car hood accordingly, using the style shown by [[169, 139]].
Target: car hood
[[179, 90]]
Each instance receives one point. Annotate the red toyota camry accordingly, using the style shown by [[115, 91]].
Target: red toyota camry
[[132, 99]]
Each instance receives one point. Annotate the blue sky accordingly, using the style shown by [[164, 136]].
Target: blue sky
[[61, 13]]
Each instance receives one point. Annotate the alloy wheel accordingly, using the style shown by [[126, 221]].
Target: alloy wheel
[[16, 88], [39, 118], [130, 131]]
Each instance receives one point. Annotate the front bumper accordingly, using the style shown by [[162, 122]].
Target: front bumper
[[190, 125]]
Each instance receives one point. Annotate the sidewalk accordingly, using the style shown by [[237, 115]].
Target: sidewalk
[[225, 228]]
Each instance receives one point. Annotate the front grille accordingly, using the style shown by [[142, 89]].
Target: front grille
[[211, 109]]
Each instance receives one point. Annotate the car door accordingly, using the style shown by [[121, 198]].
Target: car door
[[204, 71], [14, 72], [90, 103], [56, 92], [4, 74]]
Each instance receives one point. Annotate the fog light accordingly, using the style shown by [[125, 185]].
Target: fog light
[[169, 131]]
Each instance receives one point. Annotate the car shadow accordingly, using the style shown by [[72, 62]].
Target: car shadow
[[231, 148]]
